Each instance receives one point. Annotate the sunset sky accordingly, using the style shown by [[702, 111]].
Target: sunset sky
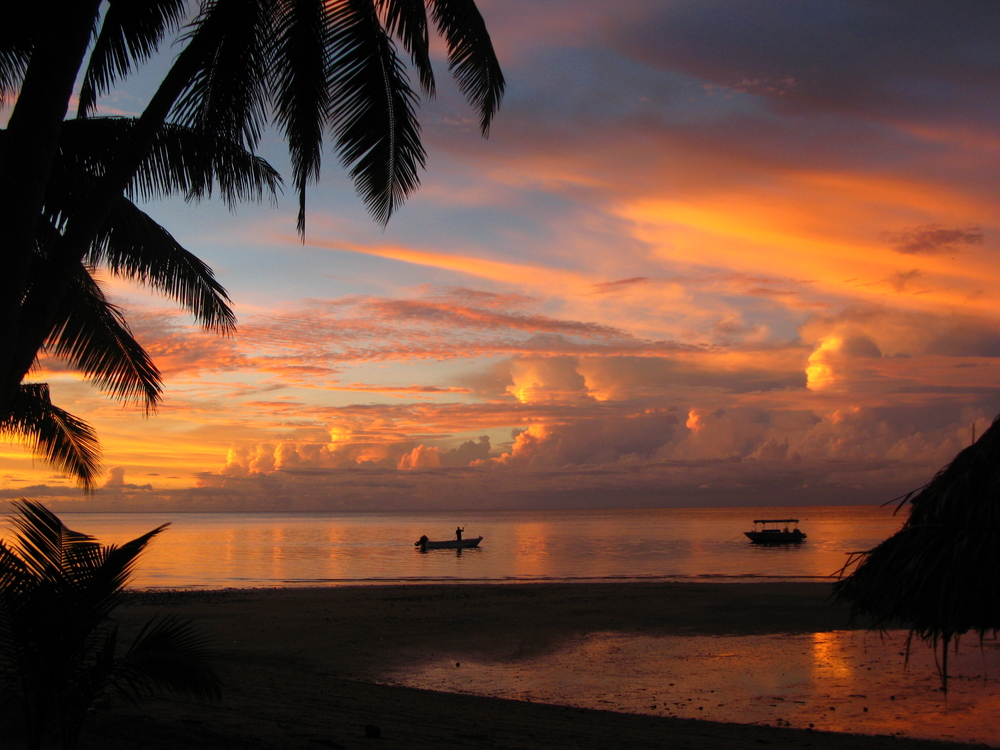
[[714, 252]]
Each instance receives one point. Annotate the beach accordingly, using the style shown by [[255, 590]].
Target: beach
[[302, 664]]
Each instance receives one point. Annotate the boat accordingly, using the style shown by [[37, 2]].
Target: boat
[[763, 533], [425, 544]]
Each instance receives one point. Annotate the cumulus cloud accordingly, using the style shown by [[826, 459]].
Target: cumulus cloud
[[616, 378], [539, 379], [840, 362], [903, 333], [665, 484], [907, 434], [349, 449], [589, 441], [567, 380], [116, 481], [834, 452], [467, 453], [421, 457], [245, 460], [116, 477]]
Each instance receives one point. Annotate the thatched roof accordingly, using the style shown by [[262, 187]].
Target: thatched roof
[[940, 574]]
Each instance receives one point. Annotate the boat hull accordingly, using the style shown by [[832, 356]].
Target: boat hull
[[450, 544], [775, 537]]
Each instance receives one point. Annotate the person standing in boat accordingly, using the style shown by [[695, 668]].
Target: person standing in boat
[[458, 532]]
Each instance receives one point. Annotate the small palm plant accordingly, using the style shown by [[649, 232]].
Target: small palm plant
[[58, 643]]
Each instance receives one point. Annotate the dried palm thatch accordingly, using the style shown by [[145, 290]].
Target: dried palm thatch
[[940, 574]]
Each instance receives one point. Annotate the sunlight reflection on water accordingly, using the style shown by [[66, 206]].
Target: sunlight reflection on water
[[845, 681], [218, 550]]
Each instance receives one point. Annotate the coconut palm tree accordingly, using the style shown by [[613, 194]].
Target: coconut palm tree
[[58, 642], [86, 330], [311, 67]]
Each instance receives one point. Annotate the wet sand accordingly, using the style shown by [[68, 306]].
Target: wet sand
[[302, 665]]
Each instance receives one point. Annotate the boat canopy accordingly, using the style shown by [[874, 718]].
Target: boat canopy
[[777, 520]]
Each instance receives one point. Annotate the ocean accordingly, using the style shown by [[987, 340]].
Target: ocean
[[841, 681], [246, 550]]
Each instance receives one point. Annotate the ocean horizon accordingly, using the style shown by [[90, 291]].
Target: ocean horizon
[[249, 550]]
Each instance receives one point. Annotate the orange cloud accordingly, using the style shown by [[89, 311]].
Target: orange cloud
[[420, 457]]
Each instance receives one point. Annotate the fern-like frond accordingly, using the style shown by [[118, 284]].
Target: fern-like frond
[[45, 546], [302, 101], [470, 56], [374, 117], [181, 160], [227, 93], [168, 655], [63, 440], [130, 33], [407, 21], [133, 246], [21, 23], [92, 335]]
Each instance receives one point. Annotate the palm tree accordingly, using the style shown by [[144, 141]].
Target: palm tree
[[58, 642], [313, 67], [88, 331]]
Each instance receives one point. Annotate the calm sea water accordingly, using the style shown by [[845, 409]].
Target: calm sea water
[[221, 550]]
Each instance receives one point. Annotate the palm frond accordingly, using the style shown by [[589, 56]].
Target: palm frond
[[58, 642], [181, 160], [13, 64], [133, 246], [470, 56], [63, 440], [44, 544], [90, 681], [60, 564], [191, 161], [92, 335], [14, 579], [378, 136], [301, 88], [101, 577], [407, 21], [121, 560], [130, 33], [21, 22], [168, 654], [227, 93]]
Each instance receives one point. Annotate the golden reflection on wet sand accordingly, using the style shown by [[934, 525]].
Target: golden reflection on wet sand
[[845, 681]]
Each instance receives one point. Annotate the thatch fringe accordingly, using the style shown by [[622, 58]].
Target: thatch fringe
[[940, 574]]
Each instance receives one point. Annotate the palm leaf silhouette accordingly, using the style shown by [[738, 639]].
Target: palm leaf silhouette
[[58, 643], [65, 441]]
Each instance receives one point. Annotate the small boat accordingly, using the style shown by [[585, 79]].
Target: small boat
[[765, 534], [425, 544]]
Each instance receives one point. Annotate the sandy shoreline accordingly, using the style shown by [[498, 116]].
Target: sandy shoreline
[[300, 662]]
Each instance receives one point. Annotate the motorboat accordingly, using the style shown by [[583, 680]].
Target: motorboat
[[425, 544], [775, 531]]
